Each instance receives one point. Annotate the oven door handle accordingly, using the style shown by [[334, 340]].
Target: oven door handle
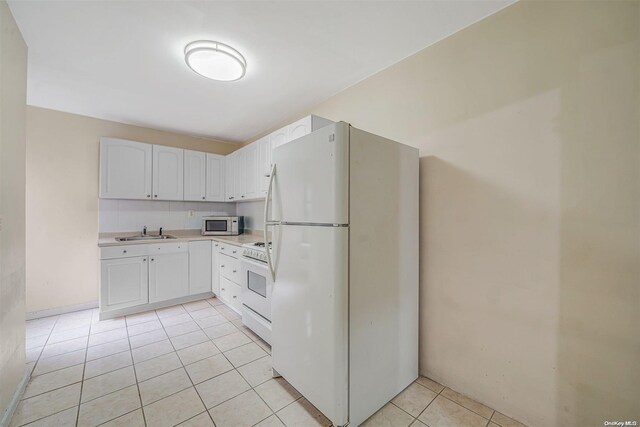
[[268, 222]]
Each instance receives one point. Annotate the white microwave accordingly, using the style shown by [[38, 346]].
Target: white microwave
[[222, 225]]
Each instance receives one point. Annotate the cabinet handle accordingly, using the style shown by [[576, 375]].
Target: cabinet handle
[[230, 198], [124, 251], [223, 289], [216, 245], [144, 260], [234, 252], [267, 175], [148, 195], [155, 195], [222, 266], [242, 197], [202, 198], [234, 271], [151, 259], [235, 296]]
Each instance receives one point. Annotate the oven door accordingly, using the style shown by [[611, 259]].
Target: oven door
[[216, 226], [256, 287]]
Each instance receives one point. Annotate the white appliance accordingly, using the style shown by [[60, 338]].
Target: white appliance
[[257, 286], [344, 306]]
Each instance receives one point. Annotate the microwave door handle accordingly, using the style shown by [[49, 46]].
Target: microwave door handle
[[268, 222]]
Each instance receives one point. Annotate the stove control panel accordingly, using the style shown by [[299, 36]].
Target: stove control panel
[[258, 255]]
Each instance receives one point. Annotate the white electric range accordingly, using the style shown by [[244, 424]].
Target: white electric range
[[257, 287]]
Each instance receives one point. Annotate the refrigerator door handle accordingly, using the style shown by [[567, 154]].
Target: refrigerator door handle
[[268, 222]]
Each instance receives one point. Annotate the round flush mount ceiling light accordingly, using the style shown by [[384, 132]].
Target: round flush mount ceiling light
[[215, 60]]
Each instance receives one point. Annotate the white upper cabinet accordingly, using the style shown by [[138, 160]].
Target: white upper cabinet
[[135, 170], [229, 177], [215, 188], [251, 169], [238, 175], [264, 164], [195, 175], [125, 169], [168, 173], [305, 126], [300, 128], [279, 137]]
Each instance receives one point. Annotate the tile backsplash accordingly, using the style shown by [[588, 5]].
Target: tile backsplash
[[132, 215]]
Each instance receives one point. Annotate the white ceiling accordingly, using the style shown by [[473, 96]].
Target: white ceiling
[[123, 60]]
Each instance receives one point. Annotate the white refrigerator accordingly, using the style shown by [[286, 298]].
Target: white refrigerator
[[344, 224]]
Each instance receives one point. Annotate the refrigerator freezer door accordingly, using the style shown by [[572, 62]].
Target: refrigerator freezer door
[[311, 183], [310, 314]]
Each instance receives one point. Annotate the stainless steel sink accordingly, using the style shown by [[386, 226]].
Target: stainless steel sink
[[147, 237]]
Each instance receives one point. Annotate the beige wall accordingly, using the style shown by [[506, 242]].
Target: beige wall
[[13, 95], [527, 125], [62, 201]]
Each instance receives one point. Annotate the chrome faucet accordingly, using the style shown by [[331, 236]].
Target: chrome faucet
[[144, 230]]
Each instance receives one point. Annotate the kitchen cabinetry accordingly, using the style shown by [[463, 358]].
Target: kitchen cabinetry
[[124, 282], [279, 137], [238, 175], [264, 165], [195, 175], [215, 272], [230, 276], [135, 170], [125, 169], [251, 170], [215, 178], [229, 177], [168, 173], [169, 272], [200, 267]]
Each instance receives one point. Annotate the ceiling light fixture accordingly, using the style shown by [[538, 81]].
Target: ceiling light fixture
[[215, 60]]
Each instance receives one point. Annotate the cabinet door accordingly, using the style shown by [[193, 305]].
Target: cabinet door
[[215, 270], [229, 177], [123, 283], [199, 267], [125, 169], [168, 170], [238, 176], [195, 175], [236, 297], [264, 164], [300, 128], [168, 276], [251, 169], [215, 178], [279, 137]]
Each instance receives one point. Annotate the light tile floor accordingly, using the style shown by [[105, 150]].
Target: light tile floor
[[192, 365]]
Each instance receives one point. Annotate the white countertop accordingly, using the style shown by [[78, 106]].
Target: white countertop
[[250, 236]]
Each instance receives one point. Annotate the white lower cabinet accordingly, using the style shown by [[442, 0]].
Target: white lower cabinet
[[124, 283], [231, 293], [135, 276], [168, 276], [200, 267], [215, 270], [229, 275]]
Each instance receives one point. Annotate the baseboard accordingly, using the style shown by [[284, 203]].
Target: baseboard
[[153, 306], [15, 400], [61, 310]]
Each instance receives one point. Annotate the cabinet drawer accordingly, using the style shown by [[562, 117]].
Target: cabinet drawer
[[226, 287], [231, 250], [124, 251], [168, 248], [236, 297], [230, 267]]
